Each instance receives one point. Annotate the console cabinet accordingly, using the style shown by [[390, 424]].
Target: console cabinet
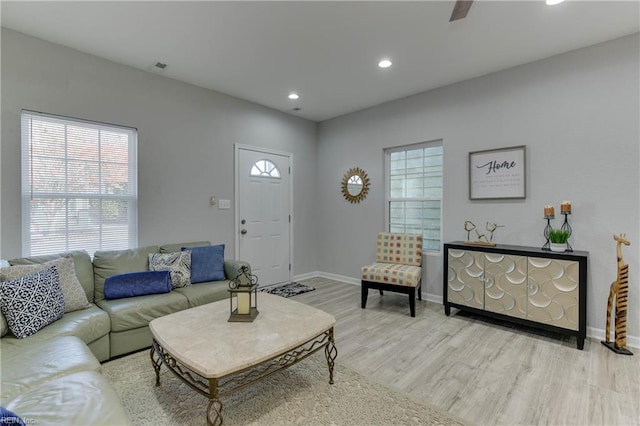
[[526, 285]]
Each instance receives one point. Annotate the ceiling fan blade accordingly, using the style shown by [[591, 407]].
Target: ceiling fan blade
[[460, 10]]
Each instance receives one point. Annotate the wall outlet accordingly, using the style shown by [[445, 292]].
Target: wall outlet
[[224, 204]]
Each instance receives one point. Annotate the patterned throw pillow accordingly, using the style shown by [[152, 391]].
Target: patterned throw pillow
[[179, 264], [10, 418], [3, 321], [32, 302], [74, 296], [3, 325]]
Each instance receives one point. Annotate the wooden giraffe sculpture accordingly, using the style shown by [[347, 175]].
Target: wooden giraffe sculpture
[[619, 290]]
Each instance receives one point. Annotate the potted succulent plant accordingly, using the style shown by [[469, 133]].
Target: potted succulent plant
[[558, 239]]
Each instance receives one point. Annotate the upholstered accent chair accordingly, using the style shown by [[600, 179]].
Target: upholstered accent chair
[[398, 267]]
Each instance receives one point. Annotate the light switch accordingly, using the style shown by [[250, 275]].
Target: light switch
[[224, 204]]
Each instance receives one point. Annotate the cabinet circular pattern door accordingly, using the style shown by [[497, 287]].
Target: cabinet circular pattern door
[[553, 294]]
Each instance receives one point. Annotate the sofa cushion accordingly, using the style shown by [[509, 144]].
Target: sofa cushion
[[114, 262], [392, 273], [207, 263], [137, 284], [178, 263], [74, 295], [81, 261], [204, 293], [32, 302], [172, 248], [88, 325], [125, 342], [134, 312], [82, 398], [232, 268], [27, 366]]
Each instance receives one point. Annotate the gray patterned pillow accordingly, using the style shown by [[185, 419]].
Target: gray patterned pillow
[[179, 264], [32, 302], [74, 296]]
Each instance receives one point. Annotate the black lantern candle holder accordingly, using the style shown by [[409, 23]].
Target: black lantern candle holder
[[244, 289]]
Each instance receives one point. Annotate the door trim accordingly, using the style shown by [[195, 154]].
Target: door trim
[[236, 153]]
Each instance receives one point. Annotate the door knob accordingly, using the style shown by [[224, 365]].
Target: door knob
[[244, 231]]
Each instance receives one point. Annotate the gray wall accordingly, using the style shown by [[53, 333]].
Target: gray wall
[[578, 115], [185, 142]]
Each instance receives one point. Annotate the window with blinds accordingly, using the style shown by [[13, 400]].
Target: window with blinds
[[79, 185], [414, 191]]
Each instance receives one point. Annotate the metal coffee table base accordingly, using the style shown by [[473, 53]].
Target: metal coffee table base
[[218, 387]]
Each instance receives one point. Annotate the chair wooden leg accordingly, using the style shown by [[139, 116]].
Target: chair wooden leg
[[364, 294], [380, 292], [420, 291], [412, 302]]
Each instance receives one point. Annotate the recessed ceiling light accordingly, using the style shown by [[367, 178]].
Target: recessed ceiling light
[[294, 96], [385, 63], [553, 2]]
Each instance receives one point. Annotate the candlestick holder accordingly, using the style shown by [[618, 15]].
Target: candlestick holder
[[244, 289], [547, 245], [566, 227]]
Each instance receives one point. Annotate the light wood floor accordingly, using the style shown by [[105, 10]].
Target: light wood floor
[[480, 370]]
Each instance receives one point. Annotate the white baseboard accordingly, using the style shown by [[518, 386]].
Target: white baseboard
[[599, 334], [592, 332], [306, 276], [342, 278], [435, 298]]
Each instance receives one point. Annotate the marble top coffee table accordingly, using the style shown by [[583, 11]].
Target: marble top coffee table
[[216, 357]]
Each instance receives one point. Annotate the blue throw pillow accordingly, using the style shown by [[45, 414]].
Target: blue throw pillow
[[137, 284], [10, 418], [207, 263]]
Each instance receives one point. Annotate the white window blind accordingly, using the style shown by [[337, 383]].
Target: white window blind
[[414, 191], [79, 185]]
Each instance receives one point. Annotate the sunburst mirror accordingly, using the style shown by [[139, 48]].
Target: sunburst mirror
[[355, 185]]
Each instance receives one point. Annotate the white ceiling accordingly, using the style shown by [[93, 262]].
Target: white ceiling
[[325, 51]]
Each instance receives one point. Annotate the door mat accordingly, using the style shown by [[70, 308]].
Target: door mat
[[287, 289]]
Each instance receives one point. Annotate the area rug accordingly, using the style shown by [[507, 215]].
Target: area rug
[[287, 290], [300, 395]]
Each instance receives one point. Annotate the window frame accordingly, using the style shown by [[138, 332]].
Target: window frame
[[388, 200], [27, 185]]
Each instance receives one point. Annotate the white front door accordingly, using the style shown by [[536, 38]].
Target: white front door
[[263, 223]]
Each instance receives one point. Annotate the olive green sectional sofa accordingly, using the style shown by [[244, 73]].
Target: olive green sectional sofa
[[66, 354]]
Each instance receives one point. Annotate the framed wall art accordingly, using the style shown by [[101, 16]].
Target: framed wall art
[[497, 173]]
